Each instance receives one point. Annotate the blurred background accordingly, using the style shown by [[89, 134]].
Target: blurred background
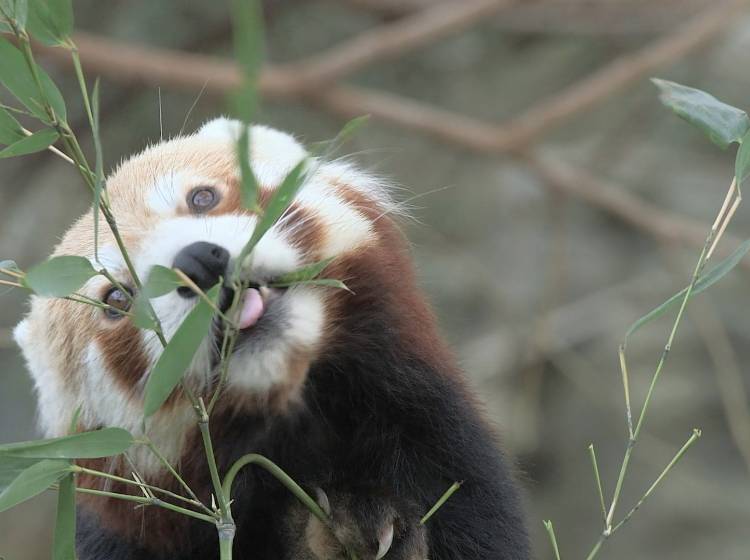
[[553, 201]]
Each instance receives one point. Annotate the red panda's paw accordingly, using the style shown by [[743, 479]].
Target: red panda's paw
[[370, 526]]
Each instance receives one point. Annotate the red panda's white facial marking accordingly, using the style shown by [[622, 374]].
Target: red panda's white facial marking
[[175, 194]]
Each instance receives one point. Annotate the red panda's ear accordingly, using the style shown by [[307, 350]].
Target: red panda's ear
[[221, 129]]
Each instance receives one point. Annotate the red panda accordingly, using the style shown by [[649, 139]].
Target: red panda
[[353, 394]]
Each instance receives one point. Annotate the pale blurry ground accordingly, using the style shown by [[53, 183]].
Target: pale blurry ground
[[496, 254]]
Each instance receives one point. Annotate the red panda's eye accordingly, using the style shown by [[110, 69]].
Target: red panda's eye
[[117, 301], [202, 199]]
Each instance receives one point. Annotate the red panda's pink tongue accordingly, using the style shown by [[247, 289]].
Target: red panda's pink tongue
[[252, 308]]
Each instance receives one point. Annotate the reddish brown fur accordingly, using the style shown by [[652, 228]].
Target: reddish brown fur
[[125, 356]]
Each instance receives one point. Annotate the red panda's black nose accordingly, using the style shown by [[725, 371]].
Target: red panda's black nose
[[204, 263]]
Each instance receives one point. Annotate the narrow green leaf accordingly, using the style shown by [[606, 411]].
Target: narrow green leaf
[[248, 48], [309, 272], [9, 265], [142, 315], [59, 276], [703, 283], [51, 21], [179, 352], [247, 19], [11, 467], [17, 10], [722, 123], [10, 130], [161, 280], [326, 149], [742, 161], [64, 547], [282, 198], [86, 445], [33, 481], [323, 282], [40, 140], [16, 76], [249, 183]]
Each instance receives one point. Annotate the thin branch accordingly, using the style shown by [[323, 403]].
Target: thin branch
[[389, 40], [622, 72]]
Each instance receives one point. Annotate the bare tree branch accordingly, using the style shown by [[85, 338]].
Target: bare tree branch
[[386, 41], [176, 69], [620, 73]]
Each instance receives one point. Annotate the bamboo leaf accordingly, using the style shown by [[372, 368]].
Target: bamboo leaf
[[247, 36], [278, 204], [328, 148], [178, 354], [87, 445], [722, 123], [9, 265], [703, 283], [309, 272], [10, 130], [16, 76], [40, 140], [742, 161], [11, 467], [161, 281], [249, 183], [51, 21], [248, 48], [16, 10], [323, 282], [64, 547], [59, 276], [33, 481]]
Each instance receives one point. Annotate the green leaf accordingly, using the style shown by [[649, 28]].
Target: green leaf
[[249, 183], [703, 283], [142, 314], [722, 123], [59, 276], [16, 10], [10, 130], [11, 467], [324, 282], [64, 547], [309, 272], [33, 481], [247, 36], [17, 77], [248, 48], [40, 140], [330, 147], [278, 204], [742, 161], [177, 355], [9, 265], [86, 445], [161, 281], [51, 21]]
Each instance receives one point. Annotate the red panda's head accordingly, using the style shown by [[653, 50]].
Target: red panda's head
[[181, 199]]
